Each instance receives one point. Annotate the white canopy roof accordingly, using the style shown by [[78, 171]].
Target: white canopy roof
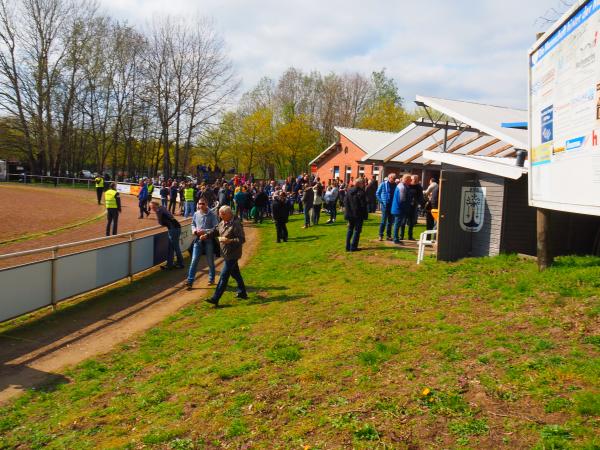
[[487, 118], [504, 167]]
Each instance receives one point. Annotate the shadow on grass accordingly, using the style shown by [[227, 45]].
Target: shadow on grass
[[577, 261], [313, 237], [275, 298]]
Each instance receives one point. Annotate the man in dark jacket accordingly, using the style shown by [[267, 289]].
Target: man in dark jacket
[[281, 213], [355, 212], [416, 199], [371, 191], [308, 198], [166, 219], [231, 237], [260, 202]]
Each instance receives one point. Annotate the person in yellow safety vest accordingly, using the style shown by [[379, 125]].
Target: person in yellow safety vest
[[188, 195], [99, 180], [150, 189], [112, 201]]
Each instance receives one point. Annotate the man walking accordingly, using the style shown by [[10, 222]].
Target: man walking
[[204, 220], [231, 237], [281, 214], [99, 180], [166, 219], [385, 195], [143, 200], [112, 201], [355, 212]]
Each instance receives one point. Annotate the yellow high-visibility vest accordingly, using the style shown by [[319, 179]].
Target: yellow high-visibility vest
[[188, 194], [99, 182], [110, 199], [150, 189]]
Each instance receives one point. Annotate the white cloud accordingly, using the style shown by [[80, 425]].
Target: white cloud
[[466, 49]]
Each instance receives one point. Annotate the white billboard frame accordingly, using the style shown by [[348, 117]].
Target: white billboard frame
[[545, 204]]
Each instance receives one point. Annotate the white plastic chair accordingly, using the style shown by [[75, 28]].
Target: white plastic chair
[[427, 238]]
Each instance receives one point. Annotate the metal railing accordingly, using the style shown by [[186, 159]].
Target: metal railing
[[56, 248], [51, 180], [57, 291]]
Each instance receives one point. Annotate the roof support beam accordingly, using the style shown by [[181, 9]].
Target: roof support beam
[[500, 150], [452, 135], [412, 144], [483, 147], [446, 125]]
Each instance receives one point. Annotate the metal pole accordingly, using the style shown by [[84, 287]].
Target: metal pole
[[130, 264], [445, 138], [53, 279], [544, 250]]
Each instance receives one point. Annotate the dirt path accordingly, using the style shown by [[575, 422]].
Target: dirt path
[[35, 354]]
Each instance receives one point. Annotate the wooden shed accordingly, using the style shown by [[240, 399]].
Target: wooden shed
[[483, 207]]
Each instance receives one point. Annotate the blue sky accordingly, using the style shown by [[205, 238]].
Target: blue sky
[[468, 50]]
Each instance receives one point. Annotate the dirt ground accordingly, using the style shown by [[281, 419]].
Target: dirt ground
[[45, 203], [35, 354], [33, 210]]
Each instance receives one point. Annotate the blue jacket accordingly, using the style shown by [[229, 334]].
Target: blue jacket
[[383, 194], [400, 203], [143, 195]]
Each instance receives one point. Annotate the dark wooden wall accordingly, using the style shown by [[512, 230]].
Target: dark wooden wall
[[519, 222]]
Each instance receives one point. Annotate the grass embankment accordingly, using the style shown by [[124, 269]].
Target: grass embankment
[[347, 350]]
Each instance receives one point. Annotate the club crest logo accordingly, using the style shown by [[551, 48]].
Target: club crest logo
[[472, 209]]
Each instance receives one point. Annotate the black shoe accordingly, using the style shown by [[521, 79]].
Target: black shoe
[[165, 267], [180, 266], [241, 296], [358, 249], [212, 301], [397, 242], [279, 242], [410, 238], [189, 285], [389, 238]]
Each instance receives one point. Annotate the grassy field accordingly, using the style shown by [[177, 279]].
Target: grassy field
[[338, 350]]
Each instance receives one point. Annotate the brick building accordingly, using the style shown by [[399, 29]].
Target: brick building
[[342, 159]]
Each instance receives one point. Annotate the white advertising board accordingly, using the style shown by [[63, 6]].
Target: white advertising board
[[564, 113]]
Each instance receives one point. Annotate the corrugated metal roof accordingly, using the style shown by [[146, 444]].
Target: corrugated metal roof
[[487, 118], [367, 140]]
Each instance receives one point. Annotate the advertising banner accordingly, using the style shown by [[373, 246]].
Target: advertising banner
[[564, 114]]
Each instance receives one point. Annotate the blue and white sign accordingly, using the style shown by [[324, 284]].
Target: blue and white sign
[[564, 113]]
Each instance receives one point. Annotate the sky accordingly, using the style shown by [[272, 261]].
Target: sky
[[472, 50]]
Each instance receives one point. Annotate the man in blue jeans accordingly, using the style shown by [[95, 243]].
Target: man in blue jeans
[[204, 220], [401, 207], [166, 219], [385, 195], [230, 233]]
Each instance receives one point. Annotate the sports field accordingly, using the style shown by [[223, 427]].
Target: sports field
[[338, 350], [39, 216]]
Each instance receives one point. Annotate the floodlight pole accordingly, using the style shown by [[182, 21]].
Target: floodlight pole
[[545, 257]]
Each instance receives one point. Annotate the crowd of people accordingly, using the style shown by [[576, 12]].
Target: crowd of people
[[219, 209]]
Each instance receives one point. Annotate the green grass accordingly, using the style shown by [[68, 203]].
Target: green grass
[[338, 350]]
